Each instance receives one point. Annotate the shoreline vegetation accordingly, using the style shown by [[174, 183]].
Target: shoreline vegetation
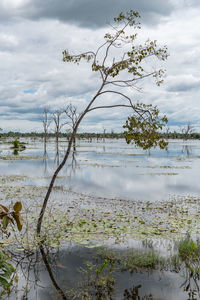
[[94, 135]]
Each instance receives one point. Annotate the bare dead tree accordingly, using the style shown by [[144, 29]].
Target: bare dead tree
[[46, 121], [187, 130], [119, 75], [56, 116], [72, 115]]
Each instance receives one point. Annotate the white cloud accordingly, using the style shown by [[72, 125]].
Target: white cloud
[[31, 59], [11, 4]]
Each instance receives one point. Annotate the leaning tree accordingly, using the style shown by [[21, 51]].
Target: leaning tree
[[122, 64]]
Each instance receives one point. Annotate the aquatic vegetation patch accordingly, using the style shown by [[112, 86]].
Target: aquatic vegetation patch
[[92, 227], [160, 174], [17, 145], [100, 165], [23, 193], [12, 178], [133, 259], [20, 157], [164, 167], [189, 250], [94, 221]]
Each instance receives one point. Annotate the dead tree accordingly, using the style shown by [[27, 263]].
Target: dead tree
[[46, 121], [187, 130], [56, 116], [72, 115]]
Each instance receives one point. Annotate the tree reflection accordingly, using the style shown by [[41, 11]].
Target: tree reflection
[[186, 149], [94, 279], [15, 152], [191, 283], [49, 270], [134, 294], [57, 154], [45, 158]]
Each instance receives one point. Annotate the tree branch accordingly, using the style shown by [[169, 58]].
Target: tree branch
[[109, 106]]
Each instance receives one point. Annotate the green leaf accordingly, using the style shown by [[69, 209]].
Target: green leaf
[[4, 283], [1, 255], [8, 269], [5, 222]]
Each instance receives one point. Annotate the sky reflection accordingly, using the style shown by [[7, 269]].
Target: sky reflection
[[113, 169]]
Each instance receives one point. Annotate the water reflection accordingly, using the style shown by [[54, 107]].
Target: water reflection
[[79, 273], [15, 152], [57, 154], [114, 169], [51, 275], [187, 150], [134, 294], [45, 158]]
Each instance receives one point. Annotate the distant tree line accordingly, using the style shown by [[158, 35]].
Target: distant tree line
[[93, 135], [84, 135], [180, 135]]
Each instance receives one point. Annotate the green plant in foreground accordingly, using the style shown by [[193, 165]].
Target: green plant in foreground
[[6, 269], [11, 216], [189, 250], [6, 274]]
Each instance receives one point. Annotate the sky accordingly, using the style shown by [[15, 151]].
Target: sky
[[33, 34]]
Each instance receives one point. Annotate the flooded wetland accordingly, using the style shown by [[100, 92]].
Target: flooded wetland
[[121, 223]]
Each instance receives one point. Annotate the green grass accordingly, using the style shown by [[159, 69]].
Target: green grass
[[141, 260], [189, 249]]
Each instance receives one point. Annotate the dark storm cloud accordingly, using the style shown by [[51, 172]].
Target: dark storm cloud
[[91, 13]]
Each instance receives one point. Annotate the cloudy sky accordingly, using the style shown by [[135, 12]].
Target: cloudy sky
[[33, 34]]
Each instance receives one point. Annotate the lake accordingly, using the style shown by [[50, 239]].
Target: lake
[[109, 196]]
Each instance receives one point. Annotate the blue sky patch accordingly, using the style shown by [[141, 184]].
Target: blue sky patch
[[30, 91]]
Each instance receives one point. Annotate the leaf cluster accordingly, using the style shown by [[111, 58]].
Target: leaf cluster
[[132, 60], [143, 127], [11, 216], [6, 271], [129, 16]]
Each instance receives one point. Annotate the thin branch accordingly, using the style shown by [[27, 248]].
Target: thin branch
[[139, 110], [112, 42], [110, 106], [118, 93], [130, 80]]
